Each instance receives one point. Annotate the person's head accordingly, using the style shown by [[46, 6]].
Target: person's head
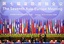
[[36, 39], [0, 41], [55, 40], [62, 41], [29, 40], [51, 40], [8, 41], [18, 40]]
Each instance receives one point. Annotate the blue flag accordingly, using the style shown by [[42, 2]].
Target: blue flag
[[29, 28]]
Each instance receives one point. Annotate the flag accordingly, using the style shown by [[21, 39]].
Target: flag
[[44, 24], [10, 26], [1, 26], [29, 28], [58, 25], [40, 27], [53, 24], [32, 27], [23, 25], [13, 27], [63, 22], [50, 26], [20, 31], [26, 27], [37, 30], [4, 27], [42, 30], [7, 26], [62, 27], [47, 31], [37, 26], [17, 26]]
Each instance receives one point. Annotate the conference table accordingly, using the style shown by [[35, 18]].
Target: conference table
[[33, 43]]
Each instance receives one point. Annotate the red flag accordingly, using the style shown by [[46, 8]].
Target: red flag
[[26, 27], [33, 27], [1, 26], [62, 28], [20, 26], [42, 30], [58, 25], [51, 28]]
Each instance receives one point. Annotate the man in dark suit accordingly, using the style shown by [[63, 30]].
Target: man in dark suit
[[32, 39], [40, 38], [23, 39], [45, 38]]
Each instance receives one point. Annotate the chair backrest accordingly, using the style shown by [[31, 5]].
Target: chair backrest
[[46, 42], [17, 42], [57, 42], [26, 43], [8, 43], [62, 42]]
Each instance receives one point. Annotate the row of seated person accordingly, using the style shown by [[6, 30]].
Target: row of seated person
[[29, 42]]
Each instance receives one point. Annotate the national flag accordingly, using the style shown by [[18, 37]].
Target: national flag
[[7, 25], [53, 24], [42, 30], [1, 26], [44, 24], [13, 26], [17, 26], [4, 27], [63, 22], [40, 27], [10, 26], [32, 27], [26, 27], [37, 26], [50, 26], [29, 28], [23, 25], [37, 29], [47, 31], [20, 26], [59, 26], [62, 27], [61, 31], [34, 30]]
